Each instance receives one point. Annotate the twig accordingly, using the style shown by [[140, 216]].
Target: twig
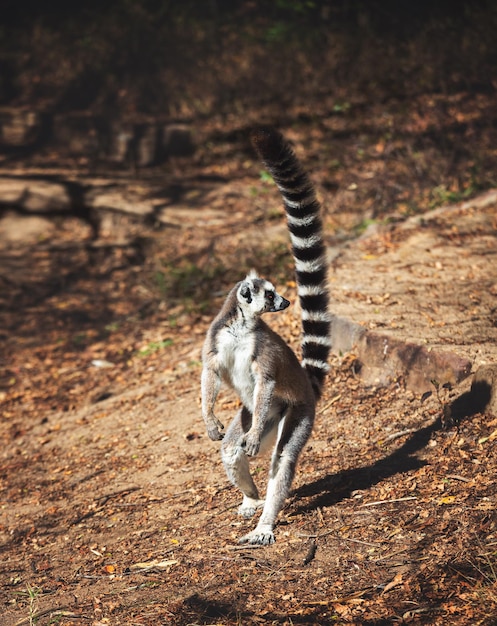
[[379, 502], [389, 556], [103, 499], [457, 477], [338, 536], [248, 546], [364, 543], [61, 612], [400, 433], [341, 599], [330, 403]]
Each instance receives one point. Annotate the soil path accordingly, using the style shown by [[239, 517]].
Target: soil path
[[114, 507]]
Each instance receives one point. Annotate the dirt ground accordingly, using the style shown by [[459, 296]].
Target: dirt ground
[[115, 509]]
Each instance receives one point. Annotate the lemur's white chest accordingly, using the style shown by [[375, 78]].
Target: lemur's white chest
[[235, 353]]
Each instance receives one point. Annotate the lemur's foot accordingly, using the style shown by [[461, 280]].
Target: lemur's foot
[[262, 536], [249, 507]]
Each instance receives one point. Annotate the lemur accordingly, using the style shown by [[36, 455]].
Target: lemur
[[278, 393]]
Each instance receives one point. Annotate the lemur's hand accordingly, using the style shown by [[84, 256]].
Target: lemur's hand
[[215, 429], [250, 443]]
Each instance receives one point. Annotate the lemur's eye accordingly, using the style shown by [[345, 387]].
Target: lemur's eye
[[270, 295]]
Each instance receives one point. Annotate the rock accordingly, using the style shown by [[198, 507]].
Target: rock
[[149, 143], [177, 140], [120, 201], [147, 146], [30, 195], [89, 136], [419, 296], [383, 358], [484, 389], [122, 136], [80, 134], [19, 127], [386, 358], [24, 228]]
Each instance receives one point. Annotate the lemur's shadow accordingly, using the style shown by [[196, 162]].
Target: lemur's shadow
[[333, 488]]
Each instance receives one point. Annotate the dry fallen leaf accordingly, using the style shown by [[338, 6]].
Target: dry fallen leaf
[[395, 582], [154, 564], [447, 500]]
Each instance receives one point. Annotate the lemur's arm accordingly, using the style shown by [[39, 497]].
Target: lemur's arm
[[263, 397], [211, 382]]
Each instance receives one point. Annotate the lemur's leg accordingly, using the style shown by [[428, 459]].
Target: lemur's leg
[[295, 431], [236, 463]]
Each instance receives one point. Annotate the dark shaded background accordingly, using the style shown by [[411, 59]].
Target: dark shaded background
[[190, 58]]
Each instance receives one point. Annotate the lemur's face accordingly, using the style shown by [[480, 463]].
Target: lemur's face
[[258, 296]]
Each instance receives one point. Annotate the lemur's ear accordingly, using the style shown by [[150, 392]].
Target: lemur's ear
[[245, 293], [252, 275]]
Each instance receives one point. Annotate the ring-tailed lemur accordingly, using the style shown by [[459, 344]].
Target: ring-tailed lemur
[[278, 393]]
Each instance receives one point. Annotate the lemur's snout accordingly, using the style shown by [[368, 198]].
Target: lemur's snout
[[284, 304], [279, 304]]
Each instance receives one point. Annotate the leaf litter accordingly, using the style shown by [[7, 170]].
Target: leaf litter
[[115, 504]]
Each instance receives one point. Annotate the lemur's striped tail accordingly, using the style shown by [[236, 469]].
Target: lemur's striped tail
[[306, 233]]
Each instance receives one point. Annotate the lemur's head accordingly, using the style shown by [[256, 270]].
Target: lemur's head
[[257, 295]]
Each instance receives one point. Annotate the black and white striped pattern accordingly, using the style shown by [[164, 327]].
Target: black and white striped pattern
[[305, 226]]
